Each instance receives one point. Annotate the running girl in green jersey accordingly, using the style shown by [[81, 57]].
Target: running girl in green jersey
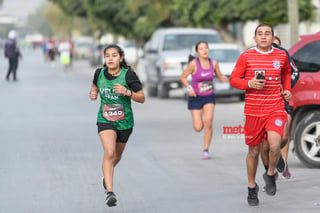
[[117, 85]]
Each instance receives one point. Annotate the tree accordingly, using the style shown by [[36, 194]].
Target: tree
[[36, 22], [272, 12], [139, 18], [221, 13], [72, 8], [50, 20]]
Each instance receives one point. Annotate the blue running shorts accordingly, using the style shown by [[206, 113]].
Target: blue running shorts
[[199, 101]]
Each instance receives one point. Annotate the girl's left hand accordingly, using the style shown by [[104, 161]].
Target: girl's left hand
[[224, 79], [118, 88]]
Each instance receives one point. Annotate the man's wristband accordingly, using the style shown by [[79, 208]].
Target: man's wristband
[[249, 84], [189, 88]]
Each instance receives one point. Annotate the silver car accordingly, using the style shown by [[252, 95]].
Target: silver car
[[226, 55], [165, 53]]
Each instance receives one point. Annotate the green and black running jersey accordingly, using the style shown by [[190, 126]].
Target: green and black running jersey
[[115, 108]]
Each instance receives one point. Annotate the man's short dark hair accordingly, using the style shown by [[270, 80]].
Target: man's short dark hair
[[263, 25]]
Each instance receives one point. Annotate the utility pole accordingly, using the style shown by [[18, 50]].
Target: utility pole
[[293, 19]]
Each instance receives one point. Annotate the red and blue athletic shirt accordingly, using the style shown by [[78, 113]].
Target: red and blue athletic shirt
[[202, 80], [274, 64]]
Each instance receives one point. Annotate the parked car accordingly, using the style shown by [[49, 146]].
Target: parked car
[[96, 57], [82, 47], [226, 55], [131, 52], [305, 128], [140, 70], [82, 50], [165, 52]]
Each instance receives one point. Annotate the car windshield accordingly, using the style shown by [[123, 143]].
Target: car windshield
[[224, 55], [186, 41], [307, 58]]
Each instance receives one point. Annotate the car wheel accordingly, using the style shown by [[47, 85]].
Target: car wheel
[[307, 140], [163, 91]]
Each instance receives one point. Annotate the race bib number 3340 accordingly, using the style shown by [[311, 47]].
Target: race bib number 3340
[[113, 112]]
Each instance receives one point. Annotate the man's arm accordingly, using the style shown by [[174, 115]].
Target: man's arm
[[286, 79], [237, 76], [286, 76]]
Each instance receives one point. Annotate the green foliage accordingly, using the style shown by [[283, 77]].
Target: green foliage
[[72, 8], [139, 18], [38, 23], [272, 12]]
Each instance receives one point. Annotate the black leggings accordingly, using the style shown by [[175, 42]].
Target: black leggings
[[13, 65]]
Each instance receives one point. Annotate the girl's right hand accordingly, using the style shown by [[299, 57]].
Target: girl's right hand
[[93, 94], [192, 93]]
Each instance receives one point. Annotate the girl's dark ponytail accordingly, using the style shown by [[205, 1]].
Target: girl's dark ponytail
[[124, 64], [190, 58]]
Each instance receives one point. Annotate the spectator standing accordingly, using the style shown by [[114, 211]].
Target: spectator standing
[[71, 50], [12, 52], [51, 48], [44, 50], [64, 50]]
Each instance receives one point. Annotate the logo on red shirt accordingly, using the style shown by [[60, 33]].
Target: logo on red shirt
[[276, 64]]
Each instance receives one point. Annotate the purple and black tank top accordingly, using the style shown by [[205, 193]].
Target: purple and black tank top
[[202, 80]]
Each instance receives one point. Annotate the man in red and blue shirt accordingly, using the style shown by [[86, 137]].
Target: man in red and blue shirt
[[261, 71]]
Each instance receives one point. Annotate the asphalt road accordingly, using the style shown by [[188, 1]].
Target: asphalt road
[[50, 155]]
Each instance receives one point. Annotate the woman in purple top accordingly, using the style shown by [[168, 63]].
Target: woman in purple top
[[201, 98]]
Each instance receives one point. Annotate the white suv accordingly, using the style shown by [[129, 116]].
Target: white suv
[[165, 54]]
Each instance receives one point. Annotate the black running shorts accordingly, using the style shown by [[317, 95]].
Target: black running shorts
[[122, 135], [288, 108]]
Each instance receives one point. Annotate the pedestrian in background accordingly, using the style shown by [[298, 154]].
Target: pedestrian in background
[[262, 71], [51, 48], [117, 85], [44, 50], [201, 97], [12, 52], [64, 50], [71, 50]]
